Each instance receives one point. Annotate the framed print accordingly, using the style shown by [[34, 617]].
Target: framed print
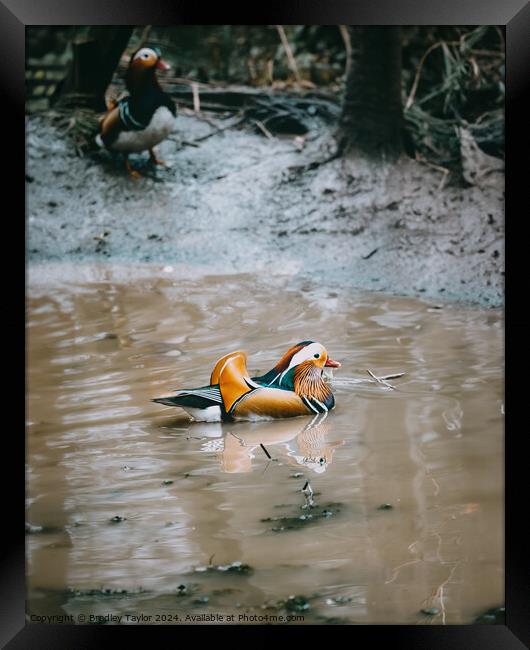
[[264, 380]]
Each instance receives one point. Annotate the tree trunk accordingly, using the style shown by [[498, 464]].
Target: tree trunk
[[96, 57], [371, 122]]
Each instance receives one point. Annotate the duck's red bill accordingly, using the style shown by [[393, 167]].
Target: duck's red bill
[[162, 65], [330, 363]]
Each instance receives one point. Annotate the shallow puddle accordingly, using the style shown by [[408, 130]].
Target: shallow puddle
[[145, 512]]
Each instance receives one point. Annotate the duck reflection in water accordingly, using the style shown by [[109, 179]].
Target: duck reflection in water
[[301, 443]]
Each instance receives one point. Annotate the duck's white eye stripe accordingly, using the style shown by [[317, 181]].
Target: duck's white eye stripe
[[309, 352], [145, 53]]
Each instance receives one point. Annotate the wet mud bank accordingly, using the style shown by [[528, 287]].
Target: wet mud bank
[[238, 202]]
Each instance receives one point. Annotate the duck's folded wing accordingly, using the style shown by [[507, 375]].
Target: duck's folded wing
[[232, 375], [111, 126], [199, 398], [232, 363]]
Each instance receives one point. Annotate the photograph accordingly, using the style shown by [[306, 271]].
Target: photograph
[[265, 283]]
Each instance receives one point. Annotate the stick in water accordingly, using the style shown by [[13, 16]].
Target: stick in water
[[345, 381], [379, 380], [268, 455], [307, 491]]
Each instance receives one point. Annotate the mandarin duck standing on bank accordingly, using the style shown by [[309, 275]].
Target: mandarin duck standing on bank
[[294, 387], [145, 117]]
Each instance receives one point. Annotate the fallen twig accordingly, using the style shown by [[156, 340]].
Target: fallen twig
[[220, 130], [367, 257], [266, 452], [439, 168], [216, 130], [379, 380], [264, 129], [348, 381]]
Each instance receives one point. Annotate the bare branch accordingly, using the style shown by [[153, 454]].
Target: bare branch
[[289, 52]]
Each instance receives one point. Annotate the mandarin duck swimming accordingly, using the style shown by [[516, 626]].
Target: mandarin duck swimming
[[293, 387], [143, 118]]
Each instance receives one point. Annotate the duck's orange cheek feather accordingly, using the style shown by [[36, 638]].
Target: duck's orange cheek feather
[[270, 402]]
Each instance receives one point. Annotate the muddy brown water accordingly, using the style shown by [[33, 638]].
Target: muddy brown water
[[143, 511]]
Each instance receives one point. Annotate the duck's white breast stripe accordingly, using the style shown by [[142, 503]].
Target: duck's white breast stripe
[[125, 115], [320, 404], [308, 403]]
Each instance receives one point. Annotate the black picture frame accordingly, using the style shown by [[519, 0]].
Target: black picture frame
[[15, 15]]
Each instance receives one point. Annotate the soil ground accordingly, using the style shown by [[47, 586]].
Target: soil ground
[[241, 202]]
